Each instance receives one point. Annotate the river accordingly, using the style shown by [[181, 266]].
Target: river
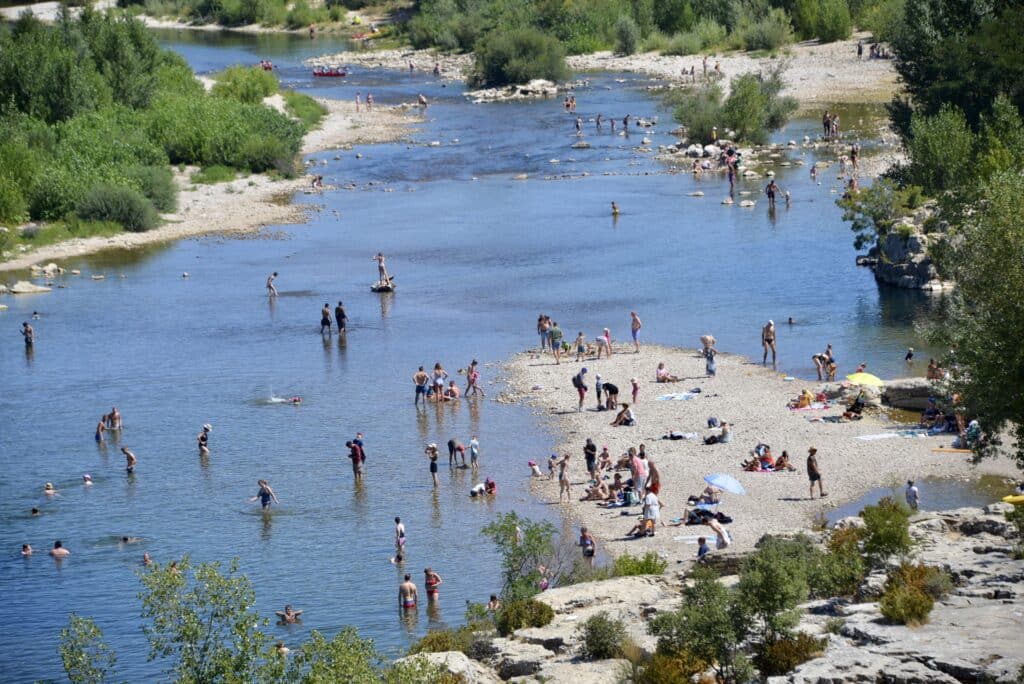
[[477, 256]]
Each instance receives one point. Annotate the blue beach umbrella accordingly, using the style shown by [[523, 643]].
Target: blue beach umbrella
[[726, 483]]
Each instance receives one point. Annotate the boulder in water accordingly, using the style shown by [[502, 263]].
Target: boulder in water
[[727, 200], [25, 287], [697, 193]]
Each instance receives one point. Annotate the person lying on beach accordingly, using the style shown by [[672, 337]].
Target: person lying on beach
[[724, 435], [662, 374], [288, 616], [709, 495], [625, 418]]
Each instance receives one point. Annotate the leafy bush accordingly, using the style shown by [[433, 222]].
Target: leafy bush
[[86, 657], [670, 669], [304, 108], [656, 41], [300, 15], [518, 57], [602, 636], [1016, 518], [769, 33], [214, 174], [118, 204], [886, 527], [883, 19], [783, 655], [245, 84], [627, 35], [833, 21], [523, 613], [774, 581], [939, 146], [804, 14], [698, 110], [157, 184], [839, 571], [13, 205], [648, 564], [906, 605], [834, 625], [683, 44], [440, 640]]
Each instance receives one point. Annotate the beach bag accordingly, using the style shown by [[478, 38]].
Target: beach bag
[[632, 498]]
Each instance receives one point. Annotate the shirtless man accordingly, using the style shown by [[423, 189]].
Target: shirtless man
[[399, 540], [114, 419], [204, 440], [420, 379], [340, 317], [101, 427], [382, 271], [634, 326], [768, 341], [288, 616], [130, 460], [58, 551], [325, 318], [408, 594], [28, 333], [271, 288]]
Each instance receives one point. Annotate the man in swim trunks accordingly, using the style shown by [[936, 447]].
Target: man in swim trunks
[[100, 429], [114, 419], [420, 379], [408, 594], [634, 325], [355, 452], [813, 473], [58, 551], [129, 459], [771, 190], [399, 539], [431, 580], [340, 316], [271, 288], [768, 341], [28, 333], [325, 318]]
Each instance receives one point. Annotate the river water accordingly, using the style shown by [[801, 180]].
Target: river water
[[477, 257]]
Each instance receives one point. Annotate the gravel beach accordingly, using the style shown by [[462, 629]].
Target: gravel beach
[[752, 399]]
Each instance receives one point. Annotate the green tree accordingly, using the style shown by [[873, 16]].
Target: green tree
[[125, 53], [939, 147], [986, 320], [833, 21], [87, 658], [710, 625], [886, 529], [627, 35], [518, 56], [203, 621], [773, 582], [524, 545]]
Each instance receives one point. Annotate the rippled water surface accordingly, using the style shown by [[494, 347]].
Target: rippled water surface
[[477, 256]]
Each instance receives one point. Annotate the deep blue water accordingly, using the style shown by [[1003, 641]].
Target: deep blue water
[[477, 256]]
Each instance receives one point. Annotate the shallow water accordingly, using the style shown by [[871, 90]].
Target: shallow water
[[477, 256], [937, 494]]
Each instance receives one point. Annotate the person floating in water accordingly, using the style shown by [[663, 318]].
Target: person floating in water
[[271, 288], [204, 440], [265, 495]]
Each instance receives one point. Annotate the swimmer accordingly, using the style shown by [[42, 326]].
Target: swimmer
[[131, 540], [265, 495], [204, 440], [281, 650], [49, 490], [296, 400], [615, 209], [494, 605], [26, 550], [146, 560], [35, 511], [87, 480], [271, 288], [130, 460], [58, 551], [408, 594], [288, 616], [113, 419], [431, 580]]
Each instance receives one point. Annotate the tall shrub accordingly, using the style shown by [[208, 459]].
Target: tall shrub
[[833, 21], [627, 35], [518, 56]]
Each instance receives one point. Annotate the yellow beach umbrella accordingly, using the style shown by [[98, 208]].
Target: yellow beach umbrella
[[865, 379]]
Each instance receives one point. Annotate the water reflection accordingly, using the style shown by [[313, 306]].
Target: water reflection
[[267, 527]]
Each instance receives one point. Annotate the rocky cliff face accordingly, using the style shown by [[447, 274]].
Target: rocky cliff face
[[976, 634], [902, 257]]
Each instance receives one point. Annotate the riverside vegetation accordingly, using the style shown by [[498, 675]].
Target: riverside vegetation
[[546, 31], [960, 120], [96, 113]]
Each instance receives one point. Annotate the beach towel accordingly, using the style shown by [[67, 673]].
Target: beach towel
[[816, 406], [908, 434], [676, 396]]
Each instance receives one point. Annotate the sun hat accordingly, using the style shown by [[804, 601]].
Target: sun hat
[[208, 427]]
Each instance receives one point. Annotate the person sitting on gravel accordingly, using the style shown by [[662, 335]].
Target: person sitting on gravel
[[723, 436], [597, 492], [803, 401], [930, 415], [604, 460], [625, 418], [783, 462], [662, 374]]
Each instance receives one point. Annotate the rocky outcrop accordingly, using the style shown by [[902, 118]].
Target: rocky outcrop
[[460, 664], [534, 89], [902, 257], [25, 287], [908, 393]]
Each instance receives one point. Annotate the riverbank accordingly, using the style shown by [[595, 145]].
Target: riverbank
[[248, 203], [753, 400], [816, 74]]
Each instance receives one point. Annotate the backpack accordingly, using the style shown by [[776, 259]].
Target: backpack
[[576, 382]]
